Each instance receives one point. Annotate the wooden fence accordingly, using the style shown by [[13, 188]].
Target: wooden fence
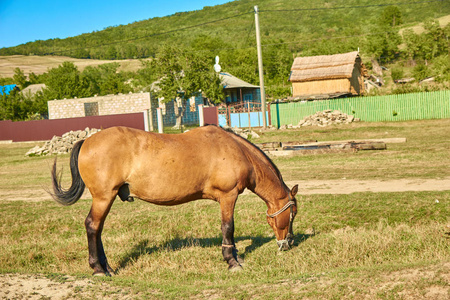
[[402, 107]]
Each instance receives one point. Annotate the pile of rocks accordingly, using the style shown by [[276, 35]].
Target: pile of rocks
[[243, 132], [62, 144], [326, 118]]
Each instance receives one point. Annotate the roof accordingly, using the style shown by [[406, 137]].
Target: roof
[[33, 89], [7, 88], [323, 67], [228, 81], [231, 82]]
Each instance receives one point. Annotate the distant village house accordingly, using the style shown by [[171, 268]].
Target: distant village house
[[327, 76]]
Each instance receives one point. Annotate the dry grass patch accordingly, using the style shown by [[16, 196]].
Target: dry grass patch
[[360, 245]]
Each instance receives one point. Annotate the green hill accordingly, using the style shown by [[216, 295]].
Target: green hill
[[310, 27], [408, 38]]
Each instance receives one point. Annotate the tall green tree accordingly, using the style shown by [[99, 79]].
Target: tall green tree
[[104, 80], [385, 39], [391, 16], [19, 78], [184, 75], [65, 81]]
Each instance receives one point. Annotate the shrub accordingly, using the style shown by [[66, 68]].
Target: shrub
[[421, 71], [397, 73]]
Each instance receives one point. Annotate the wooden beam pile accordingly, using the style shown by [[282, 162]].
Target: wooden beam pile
[[314, 147]]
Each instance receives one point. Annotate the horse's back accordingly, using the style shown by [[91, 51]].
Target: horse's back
[[162, 168]]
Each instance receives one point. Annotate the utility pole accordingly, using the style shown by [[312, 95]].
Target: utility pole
[[260, 67]]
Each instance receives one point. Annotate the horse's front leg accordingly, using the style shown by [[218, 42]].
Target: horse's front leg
[[229, 251]]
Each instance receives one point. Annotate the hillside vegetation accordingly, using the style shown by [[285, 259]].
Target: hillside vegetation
[[409, 39], [298, 23]]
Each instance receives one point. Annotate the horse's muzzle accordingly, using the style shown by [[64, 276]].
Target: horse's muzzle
[[284, 245]]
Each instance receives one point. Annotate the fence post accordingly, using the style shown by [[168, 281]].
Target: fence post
[[145, 112], [201, 118], [277, 107], [249, 120], [160, 120]]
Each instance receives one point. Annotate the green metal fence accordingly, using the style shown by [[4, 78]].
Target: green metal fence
[[415, 106]]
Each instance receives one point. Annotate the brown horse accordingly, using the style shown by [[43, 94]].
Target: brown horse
[[171, 169]]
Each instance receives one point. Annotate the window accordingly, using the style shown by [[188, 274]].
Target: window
[[91, 109]]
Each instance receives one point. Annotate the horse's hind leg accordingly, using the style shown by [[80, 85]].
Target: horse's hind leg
[[94, 226]]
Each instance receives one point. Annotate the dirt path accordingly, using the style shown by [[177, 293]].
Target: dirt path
[[407, 284], [348, 186], [306, 187], [23, 286]]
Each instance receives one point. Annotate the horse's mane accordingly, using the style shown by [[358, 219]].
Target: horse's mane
[[256, 150]]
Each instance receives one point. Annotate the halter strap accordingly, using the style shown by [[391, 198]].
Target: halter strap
[[289, 204]]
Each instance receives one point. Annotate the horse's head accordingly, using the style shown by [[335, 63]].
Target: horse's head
[[282, 219]]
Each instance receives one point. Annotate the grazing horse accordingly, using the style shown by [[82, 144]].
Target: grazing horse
[[171, 169]]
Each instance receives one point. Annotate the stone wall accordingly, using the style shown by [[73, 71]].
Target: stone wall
[[100, 105]]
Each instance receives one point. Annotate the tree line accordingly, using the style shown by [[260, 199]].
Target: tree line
[[184, 70]]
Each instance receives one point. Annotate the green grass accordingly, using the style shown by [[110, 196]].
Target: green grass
[[424, 155], [152, 246], [362, 245]]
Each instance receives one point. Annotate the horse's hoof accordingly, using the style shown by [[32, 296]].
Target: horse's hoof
[[237, 268], [101, 274]]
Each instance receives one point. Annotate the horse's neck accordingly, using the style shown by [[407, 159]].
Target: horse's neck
[[268, 183]]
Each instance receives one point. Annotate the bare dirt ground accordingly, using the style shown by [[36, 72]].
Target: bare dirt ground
[[399, 283], [17, 286], [306, 187]]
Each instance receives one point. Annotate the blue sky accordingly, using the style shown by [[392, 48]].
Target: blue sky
[[23, 21]]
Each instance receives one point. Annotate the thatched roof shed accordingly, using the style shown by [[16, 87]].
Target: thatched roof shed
[[328, 74]]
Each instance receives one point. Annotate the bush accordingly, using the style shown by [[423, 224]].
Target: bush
[[397, 73], [421, 71], [442, 67]]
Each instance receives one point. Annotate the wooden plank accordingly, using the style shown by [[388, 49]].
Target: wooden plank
[[269, 145], [369, 146], [294, 143], [384, 140], [308, 152]]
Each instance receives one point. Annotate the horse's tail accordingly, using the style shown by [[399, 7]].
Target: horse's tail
[[73, 194]]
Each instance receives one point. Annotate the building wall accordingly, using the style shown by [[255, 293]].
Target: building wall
[[190, 116], [248, 95], [357, 81], [100, 105], [321, 87]]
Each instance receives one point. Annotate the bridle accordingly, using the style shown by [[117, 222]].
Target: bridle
[[289, 239]]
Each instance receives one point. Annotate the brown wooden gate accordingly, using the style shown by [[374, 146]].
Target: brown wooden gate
[[211, 115]]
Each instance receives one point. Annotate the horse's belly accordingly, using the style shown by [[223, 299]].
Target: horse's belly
[[166, 191]]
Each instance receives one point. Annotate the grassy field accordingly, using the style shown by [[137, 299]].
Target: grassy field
[[362, 245], [41, 64]]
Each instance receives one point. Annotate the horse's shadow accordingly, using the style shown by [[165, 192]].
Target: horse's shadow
[[143, 248]]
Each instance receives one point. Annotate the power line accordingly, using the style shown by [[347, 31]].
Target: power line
[[153, 35]]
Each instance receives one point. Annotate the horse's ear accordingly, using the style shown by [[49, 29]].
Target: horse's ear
[[294, 191]]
